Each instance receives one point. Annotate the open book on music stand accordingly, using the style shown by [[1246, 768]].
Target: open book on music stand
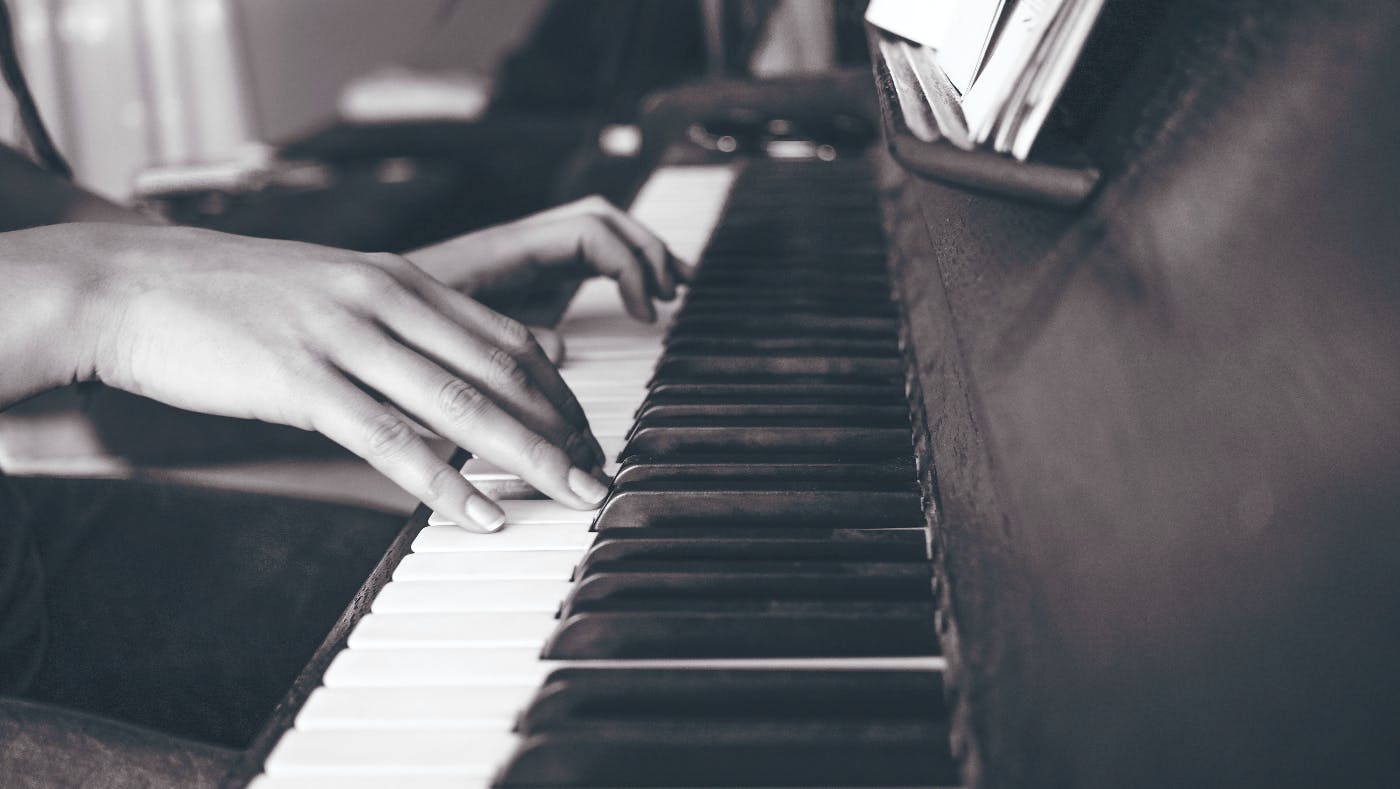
[[966, 88]]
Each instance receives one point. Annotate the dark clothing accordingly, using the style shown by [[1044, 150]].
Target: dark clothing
[[183, 611], [23, 624]]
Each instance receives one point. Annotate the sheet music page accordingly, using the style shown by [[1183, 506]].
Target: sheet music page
[[942, 97], [984, 101], [924, 21], [1055, 74], [1017, 104], [969, 33]]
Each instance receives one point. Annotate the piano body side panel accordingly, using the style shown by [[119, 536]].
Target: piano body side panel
[[1166, 431], [933, 230]]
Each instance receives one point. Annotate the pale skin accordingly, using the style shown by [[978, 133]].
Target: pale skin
[[318, 338]]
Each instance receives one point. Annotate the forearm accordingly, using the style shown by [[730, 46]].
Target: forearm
[[31, 196]]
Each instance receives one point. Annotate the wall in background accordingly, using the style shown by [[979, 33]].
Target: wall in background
[[300, 52], [125, 84]]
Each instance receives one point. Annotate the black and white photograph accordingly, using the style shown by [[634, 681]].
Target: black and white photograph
[[630, 394]]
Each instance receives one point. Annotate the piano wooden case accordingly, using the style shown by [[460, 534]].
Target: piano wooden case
[[1165, 428]]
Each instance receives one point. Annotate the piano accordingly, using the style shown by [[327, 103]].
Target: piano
[[922, 485]]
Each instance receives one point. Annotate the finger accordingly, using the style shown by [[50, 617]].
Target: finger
[[469, 417], [653, 250], [502, 332], [661, 264], [551, 342], [606, 252], [683, 271], [349, 417], [489, 368]]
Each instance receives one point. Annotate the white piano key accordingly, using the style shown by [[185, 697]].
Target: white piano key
[[435, 667], [516, 666], [408, 597], [541, 565], [612, 427], [602, 350], [389, 752], [399, 781], [414, 708], [480, 629], [606, 396], [423, 700], [528, 513], [619, 378], [537, 537]]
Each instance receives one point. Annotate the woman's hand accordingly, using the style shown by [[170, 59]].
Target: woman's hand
[[530, 268], [300, 334]]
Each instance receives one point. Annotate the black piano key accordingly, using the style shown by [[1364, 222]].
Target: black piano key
[[720, 412], [740, 628], [861, 279], [794, 504], [769, 390], [738, 364], [574, 697], [721, 308], [878, 753], [897, 473], [772, 244], [619, 581], [833, 439], [765, 415], [699, 543], [863, 346], [736, 288], [808, 322]]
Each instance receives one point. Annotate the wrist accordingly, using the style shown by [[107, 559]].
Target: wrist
[[43, 325]]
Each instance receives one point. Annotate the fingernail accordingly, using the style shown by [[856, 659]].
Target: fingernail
[[586, 487], [485, 513]]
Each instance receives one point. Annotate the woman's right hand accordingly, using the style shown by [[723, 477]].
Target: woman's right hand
[[301, 335]]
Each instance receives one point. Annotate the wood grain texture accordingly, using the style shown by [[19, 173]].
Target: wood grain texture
[[1166, 431]]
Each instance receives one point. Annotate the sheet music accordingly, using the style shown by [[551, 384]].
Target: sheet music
[[923, 21], [942, 97], [969, 35], [1053, 76], [1027, 26]]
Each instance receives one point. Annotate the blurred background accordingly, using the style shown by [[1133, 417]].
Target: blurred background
[[357, 122], [379, 125]]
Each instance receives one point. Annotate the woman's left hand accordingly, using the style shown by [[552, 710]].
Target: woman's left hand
[[530, 268]]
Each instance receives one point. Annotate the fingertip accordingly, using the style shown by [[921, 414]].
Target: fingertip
[[484, 514], [682, 270], [589, 489]]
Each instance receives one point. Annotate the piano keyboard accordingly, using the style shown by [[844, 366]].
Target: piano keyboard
[[751, 606]]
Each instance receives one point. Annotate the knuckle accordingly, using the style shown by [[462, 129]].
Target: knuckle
[[539, 453], [514, 337], [439, 483], [460, 402], [593, 228], [365, 282], [384, 259], [388, 435], [575, 445], [505, 370]]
